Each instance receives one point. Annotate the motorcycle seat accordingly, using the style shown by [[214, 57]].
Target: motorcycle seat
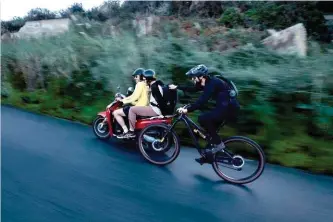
[[152, 117], [142, 117]]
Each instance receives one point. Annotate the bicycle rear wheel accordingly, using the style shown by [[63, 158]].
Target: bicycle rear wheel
[[155, 151], [241, 162]]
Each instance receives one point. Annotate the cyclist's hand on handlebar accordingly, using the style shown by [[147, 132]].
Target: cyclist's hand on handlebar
[[182, 110], [172, 86]]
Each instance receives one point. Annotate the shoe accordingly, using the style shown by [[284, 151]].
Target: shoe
[[121, 136], [202, 160], [204, 151], [206, 155], [217, 148], [130, 134]]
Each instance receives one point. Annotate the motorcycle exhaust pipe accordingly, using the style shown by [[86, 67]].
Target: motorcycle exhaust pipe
[[149, 139]]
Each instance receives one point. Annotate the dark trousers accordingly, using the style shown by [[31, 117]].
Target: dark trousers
[[211, 120]]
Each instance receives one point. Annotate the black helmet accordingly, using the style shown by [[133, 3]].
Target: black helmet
[[138, 71], [199, 70], [149, 74]]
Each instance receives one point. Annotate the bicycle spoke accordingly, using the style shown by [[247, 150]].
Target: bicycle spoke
[[242, 161], [154, 149]]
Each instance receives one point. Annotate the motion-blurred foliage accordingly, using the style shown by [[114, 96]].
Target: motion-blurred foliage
[[286, 101]]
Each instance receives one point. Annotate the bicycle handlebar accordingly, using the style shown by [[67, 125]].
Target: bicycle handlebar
[[184, 107]]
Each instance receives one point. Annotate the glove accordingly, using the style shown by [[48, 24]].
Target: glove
[[182, 110]]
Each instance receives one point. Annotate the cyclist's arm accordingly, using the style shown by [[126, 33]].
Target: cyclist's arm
[[203, 99], [188, 88]]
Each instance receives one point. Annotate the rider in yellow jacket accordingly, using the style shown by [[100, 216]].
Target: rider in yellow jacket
[[138, 98]]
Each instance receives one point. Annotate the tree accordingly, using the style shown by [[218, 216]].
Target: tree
[[76, 8], [12, 26], [40, 14]]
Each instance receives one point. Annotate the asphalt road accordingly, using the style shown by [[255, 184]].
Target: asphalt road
[[56, 170]]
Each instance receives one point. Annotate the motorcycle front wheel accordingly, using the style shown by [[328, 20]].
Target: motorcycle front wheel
[[101, 130]]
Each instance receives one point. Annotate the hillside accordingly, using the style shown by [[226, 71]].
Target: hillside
[[286, 99]]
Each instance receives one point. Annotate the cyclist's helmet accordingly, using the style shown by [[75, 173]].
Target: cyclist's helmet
[[138, 71], [199, 70], [149, 74]]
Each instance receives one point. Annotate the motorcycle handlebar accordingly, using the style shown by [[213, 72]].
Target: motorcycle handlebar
[[119, 95]]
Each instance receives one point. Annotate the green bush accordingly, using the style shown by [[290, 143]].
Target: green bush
[[232, 17]]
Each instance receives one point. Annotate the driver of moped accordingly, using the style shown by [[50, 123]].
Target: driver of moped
[[138, 98]]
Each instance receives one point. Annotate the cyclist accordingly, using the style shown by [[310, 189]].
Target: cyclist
[[215, 88]]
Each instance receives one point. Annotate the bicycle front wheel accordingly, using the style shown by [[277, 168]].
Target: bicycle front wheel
[[153, 149], [241, 162]]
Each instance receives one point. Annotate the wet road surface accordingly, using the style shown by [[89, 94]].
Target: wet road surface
[[56, 170]]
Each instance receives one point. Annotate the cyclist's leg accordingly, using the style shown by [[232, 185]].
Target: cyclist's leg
[[210, 122]]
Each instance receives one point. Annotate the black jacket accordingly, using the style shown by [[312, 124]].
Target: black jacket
[[213, 88], [155, 91]]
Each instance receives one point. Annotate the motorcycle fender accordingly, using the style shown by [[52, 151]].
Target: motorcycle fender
[[102, 114], [144, 123]]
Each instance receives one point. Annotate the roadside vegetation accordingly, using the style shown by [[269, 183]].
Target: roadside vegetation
[[287, 101]]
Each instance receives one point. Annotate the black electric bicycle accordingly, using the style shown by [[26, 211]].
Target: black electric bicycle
[[155, 143]]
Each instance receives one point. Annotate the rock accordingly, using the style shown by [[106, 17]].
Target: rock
[[288, 41], [144, 25]]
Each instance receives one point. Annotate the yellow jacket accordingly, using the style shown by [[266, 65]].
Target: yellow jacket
[[139, 96]]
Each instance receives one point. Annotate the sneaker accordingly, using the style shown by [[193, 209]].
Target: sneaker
[[208, 153], [121, 136], [130, 134], [218, 147], [204, 151], [202, 160]]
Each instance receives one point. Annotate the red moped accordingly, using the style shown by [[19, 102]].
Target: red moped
[[105, 125]]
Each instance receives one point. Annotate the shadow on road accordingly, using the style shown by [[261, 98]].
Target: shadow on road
[[221, 182], [130, 149]]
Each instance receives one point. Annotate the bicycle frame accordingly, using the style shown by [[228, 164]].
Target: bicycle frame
[[192, 127]]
